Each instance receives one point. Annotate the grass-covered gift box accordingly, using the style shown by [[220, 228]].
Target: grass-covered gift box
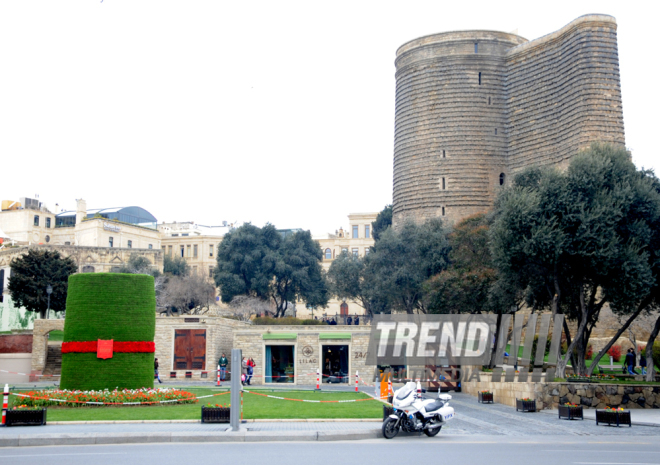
[[109, 307]]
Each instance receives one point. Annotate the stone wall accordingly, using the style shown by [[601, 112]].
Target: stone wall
[[40, 344], [474, 107], [507, 393]]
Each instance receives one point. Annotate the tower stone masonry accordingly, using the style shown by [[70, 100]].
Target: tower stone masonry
[[475, 107]]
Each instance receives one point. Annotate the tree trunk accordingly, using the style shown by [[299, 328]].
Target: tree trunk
[[604, 350], [650, 367], [561, 362]]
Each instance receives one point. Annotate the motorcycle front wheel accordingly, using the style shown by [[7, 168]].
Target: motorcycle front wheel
[[390, 429], [430, 432]]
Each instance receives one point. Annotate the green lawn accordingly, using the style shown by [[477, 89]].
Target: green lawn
[[56, 335], [254, 407]]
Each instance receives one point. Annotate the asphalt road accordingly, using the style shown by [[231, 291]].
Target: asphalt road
[[492, 450]]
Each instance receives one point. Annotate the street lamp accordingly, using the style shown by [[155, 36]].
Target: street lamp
[[49, 291]]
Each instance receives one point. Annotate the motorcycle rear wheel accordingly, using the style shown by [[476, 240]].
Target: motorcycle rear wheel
[[432, 431], [390, 429]]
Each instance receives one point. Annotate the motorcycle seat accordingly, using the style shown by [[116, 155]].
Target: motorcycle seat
[[434, 406]]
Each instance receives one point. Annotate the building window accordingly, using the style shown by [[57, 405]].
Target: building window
[[151, 246], [186, 234], [175, 235], [280, 364], [355, 232], [211, 250], [495, 131], [47, 239], [194, 270], [36, 220], [48, 222], [182, 251], [479, 78], [355, 252], [443, 211], [210, 271], [367, 232], [444, 155], [163, 247], [189, 251], [344, 250], [502, 179], [169, 250], [328, 254], [444, 185], [488, 100], [195, 251], [476, 47], [130, 244], [67, 243], [111, 241], [366, 250], [88, 269]]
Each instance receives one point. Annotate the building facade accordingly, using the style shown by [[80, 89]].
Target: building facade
[[475, 107]]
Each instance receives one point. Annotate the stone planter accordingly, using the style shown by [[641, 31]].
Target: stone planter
[[571, 413], [613, 418], [387, 411], [525, 405], [215, 414], [26, 417], [486, 397]]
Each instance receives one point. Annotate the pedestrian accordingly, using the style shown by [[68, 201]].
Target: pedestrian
[[251, 365], [630, 361], [642, 362], [156, 370], [244, 370], [357, 320], [349, 320], [223, 362]]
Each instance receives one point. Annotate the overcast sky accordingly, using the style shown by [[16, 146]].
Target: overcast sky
[[270, 111]]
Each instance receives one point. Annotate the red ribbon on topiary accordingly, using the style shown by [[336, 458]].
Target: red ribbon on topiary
[[131, 347]]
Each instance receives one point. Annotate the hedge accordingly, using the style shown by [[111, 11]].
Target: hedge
[[114, 306]]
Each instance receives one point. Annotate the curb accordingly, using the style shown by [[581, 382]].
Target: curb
[[32, 440], [265, 420]]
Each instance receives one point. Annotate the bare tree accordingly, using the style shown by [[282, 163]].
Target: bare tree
[[244, 307], [188, 295]]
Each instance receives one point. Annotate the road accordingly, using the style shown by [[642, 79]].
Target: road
[[492, 450]]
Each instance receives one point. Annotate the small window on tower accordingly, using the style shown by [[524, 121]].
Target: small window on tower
[[443, 211], [476, 47], [444, 155], [443, 184], [479, 78], [495, 131], [502, 179], [488, 100]]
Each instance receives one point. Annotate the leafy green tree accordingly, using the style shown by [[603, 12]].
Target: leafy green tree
[[258, 262], [572, 241], [383, 221], [138, 264], [464, 287], [32, 273], [176, 266], [346, 281], [403, 260]]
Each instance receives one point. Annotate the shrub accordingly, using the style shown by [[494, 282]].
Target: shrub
[[284, 321], [656, 353], [615, 353]]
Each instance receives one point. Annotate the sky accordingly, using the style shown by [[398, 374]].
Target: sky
[[260, 111]]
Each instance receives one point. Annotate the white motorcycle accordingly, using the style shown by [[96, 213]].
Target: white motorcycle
[[414, 414]]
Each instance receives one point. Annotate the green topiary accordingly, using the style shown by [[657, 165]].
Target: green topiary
[[105, 306]]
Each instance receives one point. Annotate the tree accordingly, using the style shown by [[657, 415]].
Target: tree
[[31, 275], [258, 262], [346, 281], [403, 260], [189, 294], [138, 264], [464, 287], [243, 307], [572, 241], [176, 266], [383, 221]]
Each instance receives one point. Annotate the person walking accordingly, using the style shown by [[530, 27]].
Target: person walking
[[244, 370], [630, 361], [223, 362], [156, 370], [250, 369], [349, 320], [357, 320]]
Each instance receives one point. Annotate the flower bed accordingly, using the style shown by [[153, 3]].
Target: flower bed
[[25, 416], [571, 412], [526, 405], [66, 398], [485, 397], [613, 416], [589, 378], [215, 413]]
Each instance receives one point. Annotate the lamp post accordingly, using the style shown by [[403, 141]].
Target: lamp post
[[49, 291]]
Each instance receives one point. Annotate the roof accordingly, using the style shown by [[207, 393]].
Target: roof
[[137, 212]]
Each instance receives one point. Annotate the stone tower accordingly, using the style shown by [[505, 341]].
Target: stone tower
[[474, 107]]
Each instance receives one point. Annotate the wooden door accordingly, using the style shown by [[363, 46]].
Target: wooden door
[[189, 349], [343, 309]]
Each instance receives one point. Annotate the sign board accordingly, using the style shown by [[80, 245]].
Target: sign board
[[104, 349]]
